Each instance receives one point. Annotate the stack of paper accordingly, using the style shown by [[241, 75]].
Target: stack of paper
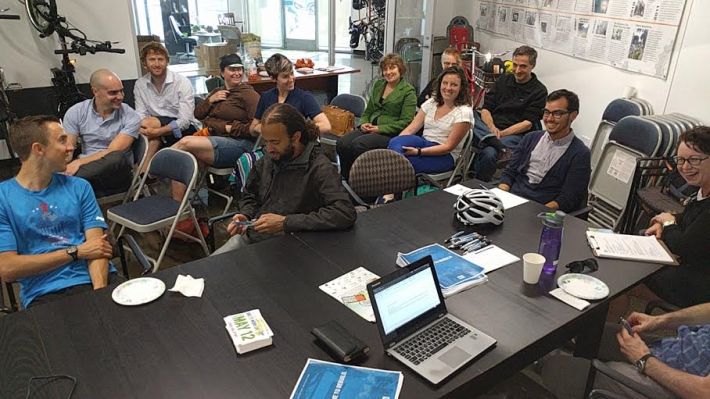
[[455, 273], [248, 330]]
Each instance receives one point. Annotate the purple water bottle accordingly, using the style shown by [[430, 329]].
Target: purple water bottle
[[551, 239]]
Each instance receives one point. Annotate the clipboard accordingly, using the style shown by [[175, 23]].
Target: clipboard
[[630, 247]]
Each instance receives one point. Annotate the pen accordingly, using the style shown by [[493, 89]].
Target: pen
[[484, 249], [483, 187]]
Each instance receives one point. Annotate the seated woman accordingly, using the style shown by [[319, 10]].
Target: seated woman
[[686, 235], [391, 107], [227, 113], [449, 58], [446, 117], [280, 69]]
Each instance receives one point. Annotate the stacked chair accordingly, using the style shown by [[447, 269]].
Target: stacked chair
[[632, 144], [614, 112]]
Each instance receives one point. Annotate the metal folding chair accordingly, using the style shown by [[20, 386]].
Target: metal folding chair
[[463, 163], [158, 211], [349, 102], [614, 112]]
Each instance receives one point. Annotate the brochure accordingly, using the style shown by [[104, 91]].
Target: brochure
[[350, 289], [455, 273], [326, 380]]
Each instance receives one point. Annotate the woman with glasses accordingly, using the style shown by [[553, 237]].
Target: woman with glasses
[[687, 235], [446, 118]]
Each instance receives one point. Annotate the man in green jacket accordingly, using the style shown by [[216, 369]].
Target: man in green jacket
[[391, 107]]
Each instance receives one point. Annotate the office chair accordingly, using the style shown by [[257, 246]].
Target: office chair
[[349, 102], [379, 172], [188, 42]]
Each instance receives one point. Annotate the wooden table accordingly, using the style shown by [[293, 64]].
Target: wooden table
[[177, 347]]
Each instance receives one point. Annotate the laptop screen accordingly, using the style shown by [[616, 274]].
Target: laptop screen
[[406, 298]]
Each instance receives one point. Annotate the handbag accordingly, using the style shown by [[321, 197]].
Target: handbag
[[341, 121]]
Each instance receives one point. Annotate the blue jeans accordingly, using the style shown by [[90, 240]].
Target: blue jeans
[[227, 150], [484, 163], [425, 163]]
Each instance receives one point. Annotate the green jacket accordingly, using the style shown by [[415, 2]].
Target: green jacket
[[395, 112]]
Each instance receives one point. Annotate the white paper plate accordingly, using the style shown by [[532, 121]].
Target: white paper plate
[[304, 70], [583, 286], [138, 291]]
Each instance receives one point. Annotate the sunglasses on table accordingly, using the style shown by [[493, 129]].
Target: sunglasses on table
[[579, 266]]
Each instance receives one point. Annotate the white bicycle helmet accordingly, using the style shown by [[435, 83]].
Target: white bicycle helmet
[[478, 207]]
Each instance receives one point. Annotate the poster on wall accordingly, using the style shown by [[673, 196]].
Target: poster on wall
[[635, 35]]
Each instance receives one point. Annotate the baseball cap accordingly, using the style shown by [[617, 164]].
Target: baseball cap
[[230, 60]]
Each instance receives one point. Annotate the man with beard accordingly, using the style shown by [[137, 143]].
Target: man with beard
[[293, 188], [552, 166]]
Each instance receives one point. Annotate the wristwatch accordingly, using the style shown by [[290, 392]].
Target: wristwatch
[[668, 223], [419, 152], [73, 251], [641, 363]]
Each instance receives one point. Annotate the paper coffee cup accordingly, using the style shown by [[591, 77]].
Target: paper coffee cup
[[532, 267]]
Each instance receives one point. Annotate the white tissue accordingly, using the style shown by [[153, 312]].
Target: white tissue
[[189, 286]]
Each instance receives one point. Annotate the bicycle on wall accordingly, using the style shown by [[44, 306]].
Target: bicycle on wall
[[44, 18], [370, 28]]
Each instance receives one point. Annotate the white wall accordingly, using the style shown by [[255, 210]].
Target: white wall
[[686, 90], [27, 59]]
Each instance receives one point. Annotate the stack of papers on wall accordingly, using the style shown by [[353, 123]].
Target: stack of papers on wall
[[326, 380], [248, 331], [350, 289], [454, 272]]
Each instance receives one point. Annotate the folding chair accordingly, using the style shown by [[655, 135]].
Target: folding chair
[[158, 211], [614, 112], [139, 149], [11, 306], [213, 83], [379, 172], [349, 102], [463, 163]]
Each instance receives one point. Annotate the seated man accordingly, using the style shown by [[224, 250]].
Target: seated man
[[293, 188], [164, 99], [552, 166], [510, 110], [107, 128], [52, 237], [680, 365]]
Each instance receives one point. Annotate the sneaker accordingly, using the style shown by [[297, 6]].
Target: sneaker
[[504, 157]]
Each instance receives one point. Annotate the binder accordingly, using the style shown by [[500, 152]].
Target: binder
[[630, 247]]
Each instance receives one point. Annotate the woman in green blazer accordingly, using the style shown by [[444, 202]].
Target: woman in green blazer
[[391, 107]]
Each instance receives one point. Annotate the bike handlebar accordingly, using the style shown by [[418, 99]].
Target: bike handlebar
[[82, 49]]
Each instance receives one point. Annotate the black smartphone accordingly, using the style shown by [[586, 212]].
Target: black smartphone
[[626, 325]]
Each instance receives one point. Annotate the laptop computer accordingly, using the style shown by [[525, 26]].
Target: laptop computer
[[415, 326]]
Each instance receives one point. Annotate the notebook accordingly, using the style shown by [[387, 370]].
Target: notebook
[[415, 326]]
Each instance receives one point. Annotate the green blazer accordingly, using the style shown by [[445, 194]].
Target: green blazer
[[395, 112]]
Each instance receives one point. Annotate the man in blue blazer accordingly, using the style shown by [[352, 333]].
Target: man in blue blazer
[[552, 166]]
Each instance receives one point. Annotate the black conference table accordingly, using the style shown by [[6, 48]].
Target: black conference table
[[177, 347]]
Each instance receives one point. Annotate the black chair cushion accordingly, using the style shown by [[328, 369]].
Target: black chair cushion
[[147, 210]]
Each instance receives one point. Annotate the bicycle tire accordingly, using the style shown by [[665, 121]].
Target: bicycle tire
[[42, 15]]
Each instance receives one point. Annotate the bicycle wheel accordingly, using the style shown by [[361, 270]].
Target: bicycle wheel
[[42, 14]]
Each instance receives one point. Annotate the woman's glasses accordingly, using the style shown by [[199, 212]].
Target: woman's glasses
[[693, 161]]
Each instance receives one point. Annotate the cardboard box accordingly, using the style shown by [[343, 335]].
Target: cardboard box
[[208, 55]]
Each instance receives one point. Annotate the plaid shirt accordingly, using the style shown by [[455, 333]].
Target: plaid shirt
[[689, 351]]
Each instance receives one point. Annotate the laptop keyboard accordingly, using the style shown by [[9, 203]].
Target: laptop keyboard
[[430, 341]]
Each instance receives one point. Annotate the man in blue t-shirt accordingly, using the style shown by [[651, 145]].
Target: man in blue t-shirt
[[52, 238]]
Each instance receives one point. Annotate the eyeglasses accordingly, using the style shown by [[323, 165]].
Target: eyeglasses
[[693, 161], [578, 266], [554, 114]]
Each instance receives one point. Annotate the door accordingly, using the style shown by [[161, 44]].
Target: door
[[409, 34], [299, 22]]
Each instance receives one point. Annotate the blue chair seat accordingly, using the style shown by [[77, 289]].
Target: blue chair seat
[[147, 210]]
